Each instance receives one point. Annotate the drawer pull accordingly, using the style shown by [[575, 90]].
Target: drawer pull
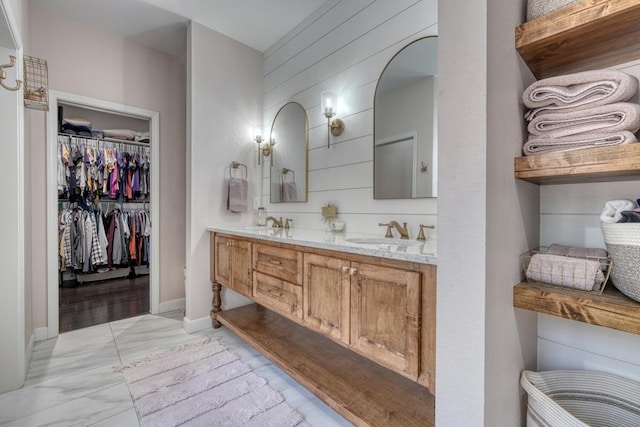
[[275, 262]]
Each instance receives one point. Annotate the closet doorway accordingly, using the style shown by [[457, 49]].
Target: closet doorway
[[122, 281]]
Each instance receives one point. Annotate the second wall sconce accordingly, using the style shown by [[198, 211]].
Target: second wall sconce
[[329, 105], [266, 149]]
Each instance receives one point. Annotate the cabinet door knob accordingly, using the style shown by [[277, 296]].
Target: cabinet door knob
[[345, 269], [353, 271]]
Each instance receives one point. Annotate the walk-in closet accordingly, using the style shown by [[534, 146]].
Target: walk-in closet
[[104, 163]]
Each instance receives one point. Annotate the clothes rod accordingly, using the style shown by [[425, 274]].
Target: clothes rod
[[114, 140]]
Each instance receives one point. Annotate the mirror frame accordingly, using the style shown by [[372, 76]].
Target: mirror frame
[[306, 151], [375, 95]]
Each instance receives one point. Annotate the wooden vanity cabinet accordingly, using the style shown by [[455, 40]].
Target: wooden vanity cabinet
[[382, 309], [232, 266]]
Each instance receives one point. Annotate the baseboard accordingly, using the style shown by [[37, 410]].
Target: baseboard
[[196, 325], [40, 334], [173, 305]]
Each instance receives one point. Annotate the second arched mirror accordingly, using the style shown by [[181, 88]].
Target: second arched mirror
[[289, 138], [405, 119]]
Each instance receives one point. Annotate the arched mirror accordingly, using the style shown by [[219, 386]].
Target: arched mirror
[[289, 140], [405, 124]]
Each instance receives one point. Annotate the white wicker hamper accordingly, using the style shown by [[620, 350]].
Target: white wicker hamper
[[623, 245], [580, 399]]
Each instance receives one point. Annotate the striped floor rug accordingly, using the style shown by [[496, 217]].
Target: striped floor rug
[[203, 384]]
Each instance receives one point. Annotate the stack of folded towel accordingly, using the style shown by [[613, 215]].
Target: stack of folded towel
[[569, 266], [581, 110], [615, 211]]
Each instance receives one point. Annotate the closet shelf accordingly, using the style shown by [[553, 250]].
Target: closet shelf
[[612, 309], [584, 35], [617, 163]]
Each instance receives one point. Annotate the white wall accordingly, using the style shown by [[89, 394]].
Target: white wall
[[224, 103], [113, 69], [344, 46]]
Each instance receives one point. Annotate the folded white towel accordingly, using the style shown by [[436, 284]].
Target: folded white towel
[[539, 145], [578, 90], [582, 274], [237, 189], [606, 118], [611, 212]]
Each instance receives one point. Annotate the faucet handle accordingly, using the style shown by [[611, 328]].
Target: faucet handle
[[389, 233], [286, 223], [421, 235]]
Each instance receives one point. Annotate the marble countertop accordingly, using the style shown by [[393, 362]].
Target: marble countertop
[[356, 243]]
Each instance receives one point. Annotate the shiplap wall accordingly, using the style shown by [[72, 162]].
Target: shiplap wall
[[344, 46], [570, 214]]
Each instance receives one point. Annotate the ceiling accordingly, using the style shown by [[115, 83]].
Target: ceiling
[[161, 23]]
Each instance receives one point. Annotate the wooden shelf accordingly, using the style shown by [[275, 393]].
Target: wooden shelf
[[585, 35], [611, 309], [617, 163], [362, 391]]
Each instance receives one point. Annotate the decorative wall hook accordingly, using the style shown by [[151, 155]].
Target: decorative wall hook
[[423, 168], [3, 75]]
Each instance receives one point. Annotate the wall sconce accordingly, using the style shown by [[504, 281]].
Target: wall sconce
[[329, 105], [257, 137]]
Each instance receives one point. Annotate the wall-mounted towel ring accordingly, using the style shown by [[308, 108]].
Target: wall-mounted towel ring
[[3, 75], [236, 165], [284, 173]]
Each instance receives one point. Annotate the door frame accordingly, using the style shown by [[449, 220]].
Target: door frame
[[55, 97], [14, 358]]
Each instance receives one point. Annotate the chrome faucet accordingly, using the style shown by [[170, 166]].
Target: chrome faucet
[[275, 223], [402, 229]]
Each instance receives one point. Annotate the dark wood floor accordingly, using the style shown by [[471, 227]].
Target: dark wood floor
[[101, 302]]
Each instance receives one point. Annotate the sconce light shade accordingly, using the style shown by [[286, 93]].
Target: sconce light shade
[[329, 103], [329, 106]]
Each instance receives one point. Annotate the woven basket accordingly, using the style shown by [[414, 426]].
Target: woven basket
[[580, 399], [623, 244]]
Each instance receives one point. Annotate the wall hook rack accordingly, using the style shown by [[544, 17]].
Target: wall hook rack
[[3, 75]]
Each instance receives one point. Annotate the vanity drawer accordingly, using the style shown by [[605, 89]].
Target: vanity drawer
[[278, 295], [285, 264]]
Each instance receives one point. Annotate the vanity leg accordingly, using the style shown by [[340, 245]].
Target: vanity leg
[[216, 303]]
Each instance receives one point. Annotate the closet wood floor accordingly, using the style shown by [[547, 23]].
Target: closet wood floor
[[102, 302]]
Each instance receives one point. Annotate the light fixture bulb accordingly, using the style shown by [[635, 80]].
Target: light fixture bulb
[[329, 103]]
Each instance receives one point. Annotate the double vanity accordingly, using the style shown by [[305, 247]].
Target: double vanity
[[349, 316]]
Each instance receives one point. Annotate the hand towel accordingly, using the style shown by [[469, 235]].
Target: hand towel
[[578, 90], [582, 274], [538, 145], [596, 254], [611, 213], [606, 118], [237, 194], [288, 192]]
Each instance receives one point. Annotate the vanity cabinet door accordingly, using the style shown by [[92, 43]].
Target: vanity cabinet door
[[326, 293], [385, 316], [233, 264]]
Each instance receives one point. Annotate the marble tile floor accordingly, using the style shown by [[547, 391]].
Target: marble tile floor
[[70, 381]]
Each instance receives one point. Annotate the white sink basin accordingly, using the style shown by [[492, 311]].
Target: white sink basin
[[383, 241]]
